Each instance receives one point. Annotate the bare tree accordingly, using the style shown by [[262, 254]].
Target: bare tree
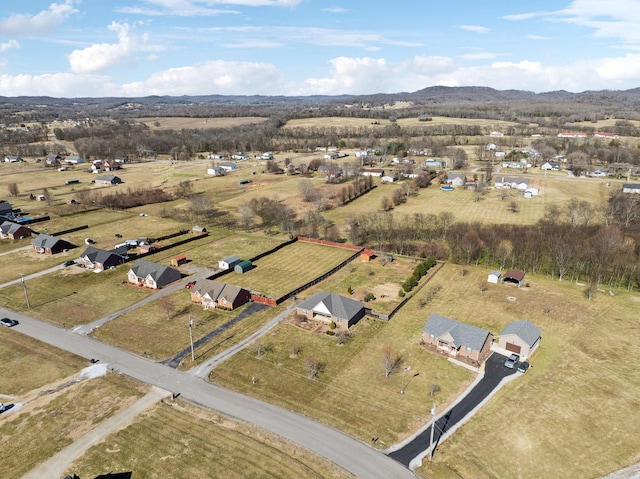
[[167, 306], [48, 196], [294, 350], [261, 349], [342, 336], [245, 217], [433, 389], [390, 361], [385, 203], [13, 189], [314, 368]]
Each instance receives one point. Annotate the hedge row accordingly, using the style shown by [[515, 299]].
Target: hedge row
[[420, 270]]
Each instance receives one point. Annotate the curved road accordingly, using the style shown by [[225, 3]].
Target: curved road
[[350, 454]]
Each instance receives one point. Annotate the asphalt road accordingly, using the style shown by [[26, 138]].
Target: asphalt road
[[495, 372], [354, 456]]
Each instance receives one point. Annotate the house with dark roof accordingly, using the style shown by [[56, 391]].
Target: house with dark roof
[[152, 275], [332, 308], [47, 244], [5, 208], [108, 180], [11, 230], [99, 259], [213, 294], [520, 337], [456, 339]]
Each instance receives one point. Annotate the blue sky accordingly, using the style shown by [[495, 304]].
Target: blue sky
[[73, 48]]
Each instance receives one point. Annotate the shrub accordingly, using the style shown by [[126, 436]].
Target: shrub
[[401, 293], [369, 297], [332, 325]]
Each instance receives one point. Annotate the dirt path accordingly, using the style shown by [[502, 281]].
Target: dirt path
[[56, 465]]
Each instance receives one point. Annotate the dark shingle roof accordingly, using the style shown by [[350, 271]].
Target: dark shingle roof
[[524, 329], [462, 334], [47, 241], [338, 306]]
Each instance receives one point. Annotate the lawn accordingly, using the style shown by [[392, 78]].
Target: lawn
[[290, 267], [158, 333], [48, 422], [28, 364], [73, 296], [175, 439], [352, 394], [574, 401]]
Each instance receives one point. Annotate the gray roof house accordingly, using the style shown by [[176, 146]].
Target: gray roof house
[[329, 307], [99, 259], [48, 244], [108, 180], [456, 339], [214, 294], [631, 188], [520, 337], [152, 275], [11, 230], [229, 262]]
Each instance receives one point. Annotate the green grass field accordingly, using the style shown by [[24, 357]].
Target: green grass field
[[179, 440]]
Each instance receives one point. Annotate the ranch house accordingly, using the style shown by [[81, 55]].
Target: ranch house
[[456, 339]]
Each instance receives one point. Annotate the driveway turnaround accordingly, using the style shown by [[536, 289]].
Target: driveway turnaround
[[495, 372], [352, 455]]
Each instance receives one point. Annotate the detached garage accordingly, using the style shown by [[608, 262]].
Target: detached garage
[[520, 337]]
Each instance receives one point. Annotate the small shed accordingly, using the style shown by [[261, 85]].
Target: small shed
[[514, 276], [367, 255], [228, 262], [198, 230], [520, 337], [243, 266], [178, 260], [494, 277]]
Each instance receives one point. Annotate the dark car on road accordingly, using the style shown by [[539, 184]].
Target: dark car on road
[[512, 361], [8, 322]]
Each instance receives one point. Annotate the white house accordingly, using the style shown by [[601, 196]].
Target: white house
[[267, 156], [12, 159], [215, 171], [74, 160], [229, 262], [455, 179], [505, 182], [550, 165], [228, 166], [633, 188]]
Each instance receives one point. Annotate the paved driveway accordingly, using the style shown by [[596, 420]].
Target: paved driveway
[[495, 372]]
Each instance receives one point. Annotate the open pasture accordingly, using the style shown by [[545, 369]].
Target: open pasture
[[288, 268], [176, 439], [178, 122]]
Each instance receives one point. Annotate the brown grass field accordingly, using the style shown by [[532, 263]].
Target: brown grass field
[[178, 123], [367, 122], [288, 268], [176, 439], [52, 417]]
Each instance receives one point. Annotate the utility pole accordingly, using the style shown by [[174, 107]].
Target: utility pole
[[24, 286], [404, 372], [433, 426], [191, 337]]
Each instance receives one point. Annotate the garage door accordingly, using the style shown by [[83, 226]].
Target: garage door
[[514, 348]]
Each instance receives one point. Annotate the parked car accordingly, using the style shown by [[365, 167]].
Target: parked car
[[68, 263], [523, 367], [2, 407], [8, 322], [512, 361]]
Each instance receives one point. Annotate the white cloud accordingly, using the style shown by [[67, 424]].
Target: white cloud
[[349, 75], [214, 77], [537, 37], [475, 28], [60, 85], [253, 44], [188, 8], [9, 45], [43, 22], [102, 56]]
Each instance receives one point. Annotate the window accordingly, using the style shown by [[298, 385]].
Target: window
[[432, 336], [468, 350]]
